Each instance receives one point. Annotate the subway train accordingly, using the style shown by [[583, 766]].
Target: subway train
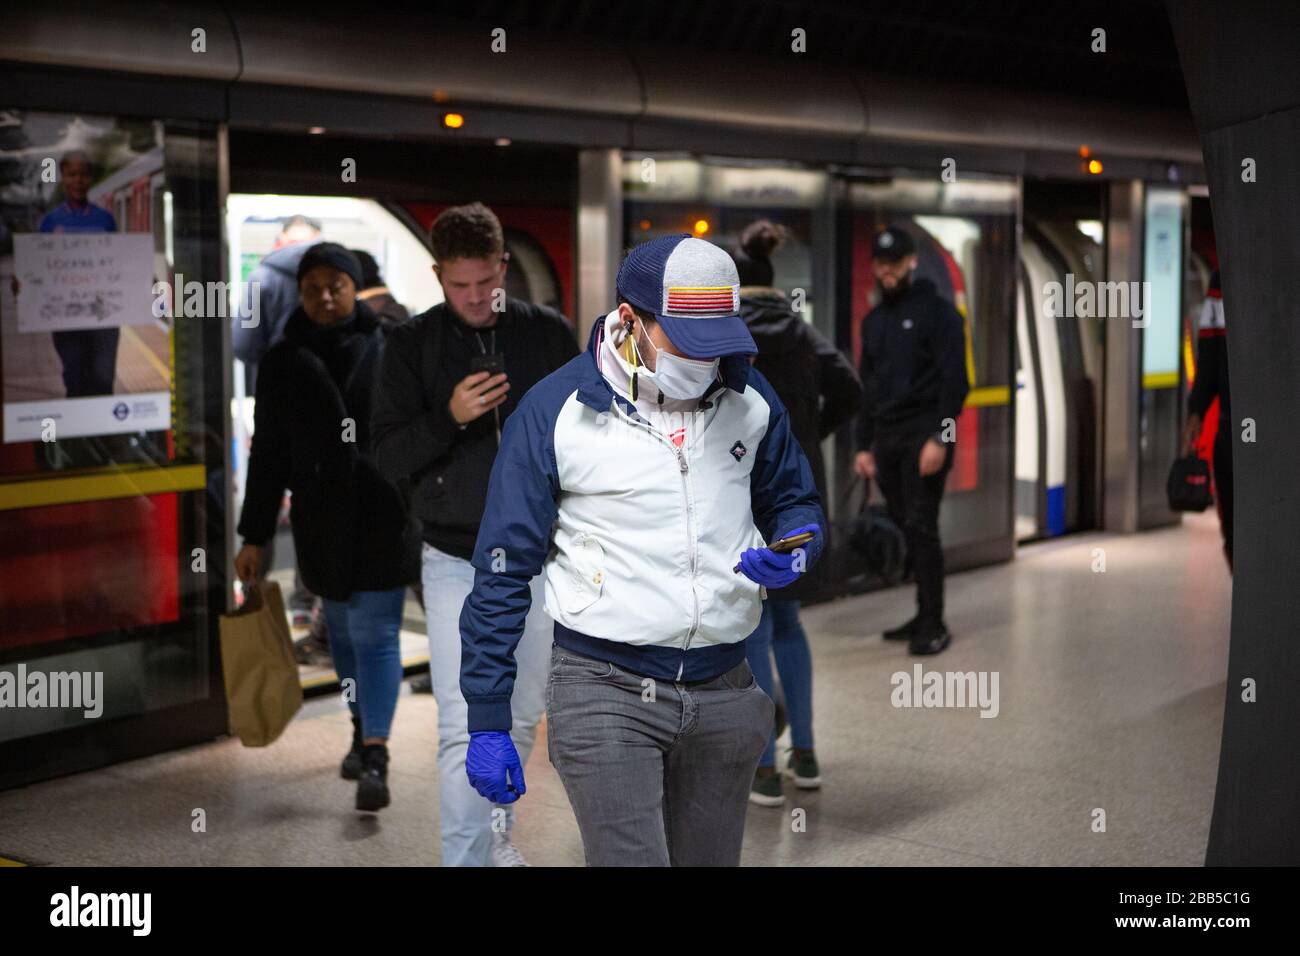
[[1006, 198]]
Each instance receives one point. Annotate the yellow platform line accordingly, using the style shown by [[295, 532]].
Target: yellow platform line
[[325, 680], [7, 862], [147, 352], [989, 395], [41, 492], [1160, 380]]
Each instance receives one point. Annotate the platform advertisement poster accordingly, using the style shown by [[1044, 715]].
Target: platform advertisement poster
[[85, 352]]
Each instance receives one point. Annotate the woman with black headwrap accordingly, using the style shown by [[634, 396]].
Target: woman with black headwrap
[[354, 543], [821, 392]]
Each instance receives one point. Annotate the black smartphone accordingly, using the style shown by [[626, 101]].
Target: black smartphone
[[493, 363]]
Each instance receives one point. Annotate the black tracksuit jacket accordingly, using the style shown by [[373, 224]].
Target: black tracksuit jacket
[[913, 366], [442, 468]]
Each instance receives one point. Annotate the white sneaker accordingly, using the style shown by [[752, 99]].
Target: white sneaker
[[504, 853]]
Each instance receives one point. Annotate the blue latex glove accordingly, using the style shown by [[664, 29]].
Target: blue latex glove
[[490, 758], [770, 569]]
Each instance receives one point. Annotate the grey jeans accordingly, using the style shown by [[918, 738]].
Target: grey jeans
[[658, 773]]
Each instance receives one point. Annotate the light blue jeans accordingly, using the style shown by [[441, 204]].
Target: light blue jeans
[[365, 642], [779, 633], [467, 818]]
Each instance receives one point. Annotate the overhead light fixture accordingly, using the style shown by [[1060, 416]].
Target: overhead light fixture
[[701, 226], [1094, 166], [316, 130], [503, 140], [453, 120]]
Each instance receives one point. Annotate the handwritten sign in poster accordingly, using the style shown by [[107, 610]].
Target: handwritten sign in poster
[[83, 281]]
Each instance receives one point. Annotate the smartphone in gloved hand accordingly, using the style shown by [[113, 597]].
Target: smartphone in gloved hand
[[785, 545]]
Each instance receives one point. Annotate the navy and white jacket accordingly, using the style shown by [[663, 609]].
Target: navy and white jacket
[[637, 533]]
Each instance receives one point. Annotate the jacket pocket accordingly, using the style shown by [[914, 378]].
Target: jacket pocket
[[586, 578]]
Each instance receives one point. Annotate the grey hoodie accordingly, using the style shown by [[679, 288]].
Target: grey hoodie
[[277, 284]]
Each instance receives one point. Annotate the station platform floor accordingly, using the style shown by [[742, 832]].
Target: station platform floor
[[1111, 695]]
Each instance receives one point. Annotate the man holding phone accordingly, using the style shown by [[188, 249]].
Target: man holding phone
[[449, 380], [643, 482]]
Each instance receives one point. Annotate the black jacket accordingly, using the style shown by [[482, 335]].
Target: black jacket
[[350, 526], [913, 365], [442, 468], [387, 310], [812, 377], [1211, 379]]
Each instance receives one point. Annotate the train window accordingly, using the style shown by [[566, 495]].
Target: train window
[[715, 199], [532, 276], [254, 223], [254, 226]]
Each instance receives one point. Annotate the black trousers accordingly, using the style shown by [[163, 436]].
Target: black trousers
[[89, 359], [913, 503]]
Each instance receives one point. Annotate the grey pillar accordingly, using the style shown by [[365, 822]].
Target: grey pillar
[[1239, 63], [600, 234], [1123, 387]]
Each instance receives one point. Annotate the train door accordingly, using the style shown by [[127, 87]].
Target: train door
[[966, 240], [1059, 362], [112, 449], [1041, 405]]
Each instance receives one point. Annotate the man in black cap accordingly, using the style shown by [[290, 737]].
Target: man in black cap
[[914, 378]]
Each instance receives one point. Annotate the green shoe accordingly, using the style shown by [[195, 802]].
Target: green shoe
[[803, 770], [766, 791]]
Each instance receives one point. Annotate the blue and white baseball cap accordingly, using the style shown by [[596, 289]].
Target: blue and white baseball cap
[[692, 289]]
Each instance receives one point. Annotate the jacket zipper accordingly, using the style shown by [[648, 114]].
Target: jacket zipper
[[690, 536]]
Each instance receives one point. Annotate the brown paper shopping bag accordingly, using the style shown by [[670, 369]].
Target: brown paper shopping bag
[[262, 685]]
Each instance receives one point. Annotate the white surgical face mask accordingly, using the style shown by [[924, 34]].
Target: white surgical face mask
[[678, 377]]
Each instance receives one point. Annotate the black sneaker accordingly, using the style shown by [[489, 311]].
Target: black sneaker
[[351, 769], [903, 632], [803, 770], [422, 683], [766, 790], [372, 787], [930, 639]]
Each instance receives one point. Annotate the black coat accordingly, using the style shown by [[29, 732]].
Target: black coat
[[811, 376], [350, 526], [443, 468], [1211, 381], [913, 365]]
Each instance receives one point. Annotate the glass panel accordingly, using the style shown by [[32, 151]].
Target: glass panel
[[111, 488], [966, 244], [716, 200]]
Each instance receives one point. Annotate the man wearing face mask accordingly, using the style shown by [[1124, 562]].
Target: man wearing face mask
[[914, 385], [645, 480]]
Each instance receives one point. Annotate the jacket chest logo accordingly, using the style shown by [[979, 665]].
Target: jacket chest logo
[[739, 451]]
